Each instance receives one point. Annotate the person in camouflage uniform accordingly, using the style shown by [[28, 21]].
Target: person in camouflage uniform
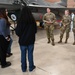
[[66, 21], [49, 19], [74, 29]]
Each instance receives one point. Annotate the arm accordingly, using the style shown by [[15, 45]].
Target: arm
[[18, 30], [44, 19], [35, 26], [54, 18], [62, 21], [3, 28], [68, 22]]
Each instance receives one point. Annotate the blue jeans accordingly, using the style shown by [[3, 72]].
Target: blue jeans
[[24, 49], [9, 47]]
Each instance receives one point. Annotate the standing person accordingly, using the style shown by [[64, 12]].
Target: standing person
[[72, 17], [4, 38], [66, 21], [74, 29], [49, 19], [26, 30], [10, 44]]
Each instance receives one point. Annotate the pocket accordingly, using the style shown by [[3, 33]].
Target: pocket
[[46, 27], [62, 29], [52, 27]]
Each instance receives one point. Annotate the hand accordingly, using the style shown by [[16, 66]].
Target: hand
[[65, 25], [7, 38], [48, 22]]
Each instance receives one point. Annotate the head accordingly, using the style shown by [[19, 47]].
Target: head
[[2, 12], [66, 12], [26, 16], [48, 10], [4, 15]]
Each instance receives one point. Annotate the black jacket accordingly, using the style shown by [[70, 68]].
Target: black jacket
[[26, 33]]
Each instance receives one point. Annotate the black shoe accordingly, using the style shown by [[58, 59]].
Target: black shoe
[[48, 42], [10, 54], [24, 71], [74, 43], [65, 41], [53, 44], [32, 69], [7, 65]]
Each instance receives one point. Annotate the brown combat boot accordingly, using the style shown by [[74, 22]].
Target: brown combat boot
[[74, 43], [60, 40], [48, 40], [53, 43]]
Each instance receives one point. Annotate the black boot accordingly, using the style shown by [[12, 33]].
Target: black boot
[[60, 40], [48, 40], [74, 43], [6, 65], [53, 42], [74, 39], [66, 40]]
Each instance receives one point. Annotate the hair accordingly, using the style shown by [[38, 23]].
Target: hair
[[3, 15], [48, 8], [67, 10], [26, 16]]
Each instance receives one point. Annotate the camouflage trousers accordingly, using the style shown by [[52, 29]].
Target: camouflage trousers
[[49, 32], [74, 33], [63, 30]]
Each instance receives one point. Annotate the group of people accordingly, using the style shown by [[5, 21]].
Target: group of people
[[26, 30], [49, 20]]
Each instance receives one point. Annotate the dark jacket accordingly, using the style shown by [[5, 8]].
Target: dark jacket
[[26, 33]]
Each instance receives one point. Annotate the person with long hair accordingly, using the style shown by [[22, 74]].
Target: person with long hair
[[26, 30], [4, 37]]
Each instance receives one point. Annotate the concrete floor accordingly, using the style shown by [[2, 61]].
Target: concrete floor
[[49, 60]]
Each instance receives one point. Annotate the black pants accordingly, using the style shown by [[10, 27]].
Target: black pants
[[3, 49]]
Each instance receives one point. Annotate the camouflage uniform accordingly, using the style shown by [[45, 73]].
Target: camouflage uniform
[[74, 29], [66, 21], [49, 26]]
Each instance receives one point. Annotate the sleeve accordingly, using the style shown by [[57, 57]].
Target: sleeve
[[44, 18], [54, 18], [3, 28], [62, 20], [69, 21], [18, 30], [35, 28]]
